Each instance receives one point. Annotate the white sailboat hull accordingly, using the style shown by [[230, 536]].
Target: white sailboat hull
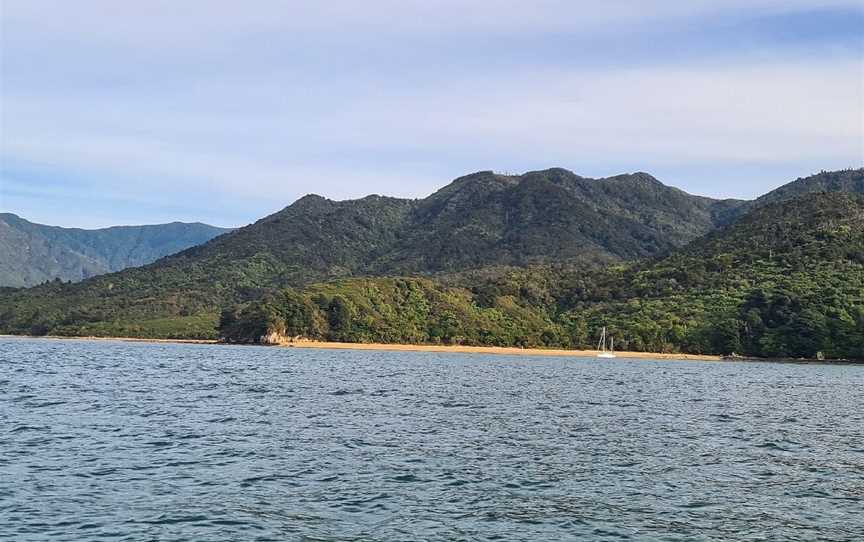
[[602, 346]]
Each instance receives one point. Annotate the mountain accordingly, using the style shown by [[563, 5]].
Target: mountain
[[33, 253], [479, 220], [546, 216], [787, 280]]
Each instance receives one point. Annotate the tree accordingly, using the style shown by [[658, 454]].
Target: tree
[[340, 316]]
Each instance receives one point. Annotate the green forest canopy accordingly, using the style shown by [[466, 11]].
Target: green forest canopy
[[785, 281]]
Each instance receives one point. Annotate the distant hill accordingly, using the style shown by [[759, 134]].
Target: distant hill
[[787, 280], [33, 253]]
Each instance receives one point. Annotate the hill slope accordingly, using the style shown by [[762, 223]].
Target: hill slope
[[787, 280], [847, 180], [476, 221], [33, 253]]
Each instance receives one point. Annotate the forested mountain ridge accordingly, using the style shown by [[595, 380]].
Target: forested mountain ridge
[[547, 216], [480, 221], [31, 253], [787, 280]]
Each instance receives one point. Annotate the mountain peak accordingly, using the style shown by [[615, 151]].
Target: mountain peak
[[639, 177], [307, 203], [845, 180], [309, 199]]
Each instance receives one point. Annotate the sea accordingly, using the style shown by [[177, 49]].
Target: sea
[[112, 440]]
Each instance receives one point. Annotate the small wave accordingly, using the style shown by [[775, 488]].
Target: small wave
[[46, 404], [406, 478], [172, 520], [697, 504], [373, 498], [234, 522], [347, 392], [22, 428], [772, 446], [182, 463], [221, 420], [256, 389]]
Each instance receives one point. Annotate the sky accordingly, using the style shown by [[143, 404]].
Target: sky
[[223, 112]]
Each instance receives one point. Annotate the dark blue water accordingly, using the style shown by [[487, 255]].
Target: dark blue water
[[128, 441]]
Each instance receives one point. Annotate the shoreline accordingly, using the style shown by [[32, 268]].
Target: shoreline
[[496, 350], [454, 349], [124, 339], [385, 347]]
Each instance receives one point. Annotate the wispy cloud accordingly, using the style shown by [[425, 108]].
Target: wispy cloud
[[218, 111]]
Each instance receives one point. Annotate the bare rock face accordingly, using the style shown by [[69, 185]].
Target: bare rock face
[[273, 338], [278, 338]]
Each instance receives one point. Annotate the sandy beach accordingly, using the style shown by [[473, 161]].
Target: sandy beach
[[499, 350], [496, 350]]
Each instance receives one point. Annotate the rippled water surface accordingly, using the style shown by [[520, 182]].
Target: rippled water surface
[[131, 441]]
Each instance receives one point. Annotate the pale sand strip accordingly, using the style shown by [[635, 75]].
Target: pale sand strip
[[491, 350], [457, 349], [500, 350]]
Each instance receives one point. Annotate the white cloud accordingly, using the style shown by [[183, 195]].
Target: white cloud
[[756, 112], [163, 97], [167, 23]]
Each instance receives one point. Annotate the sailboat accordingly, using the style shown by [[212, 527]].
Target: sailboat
[[601, 346]]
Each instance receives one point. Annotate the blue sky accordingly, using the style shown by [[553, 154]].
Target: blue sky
[[222, 111]]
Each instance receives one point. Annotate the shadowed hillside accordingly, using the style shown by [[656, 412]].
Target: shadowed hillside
[[33, 253]]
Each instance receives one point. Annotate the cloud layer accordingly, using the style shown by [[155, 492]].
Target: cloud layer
[[221, 111]]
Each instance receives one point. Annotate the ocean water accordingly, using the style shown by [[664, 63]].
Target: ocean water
[[109, 440]]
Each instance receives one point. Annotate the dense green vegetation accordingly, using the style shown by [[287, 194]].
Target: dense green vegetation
[[476, 221], [545, 258], [389, 310], [785, 281], [33, 253], [546, 216]]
